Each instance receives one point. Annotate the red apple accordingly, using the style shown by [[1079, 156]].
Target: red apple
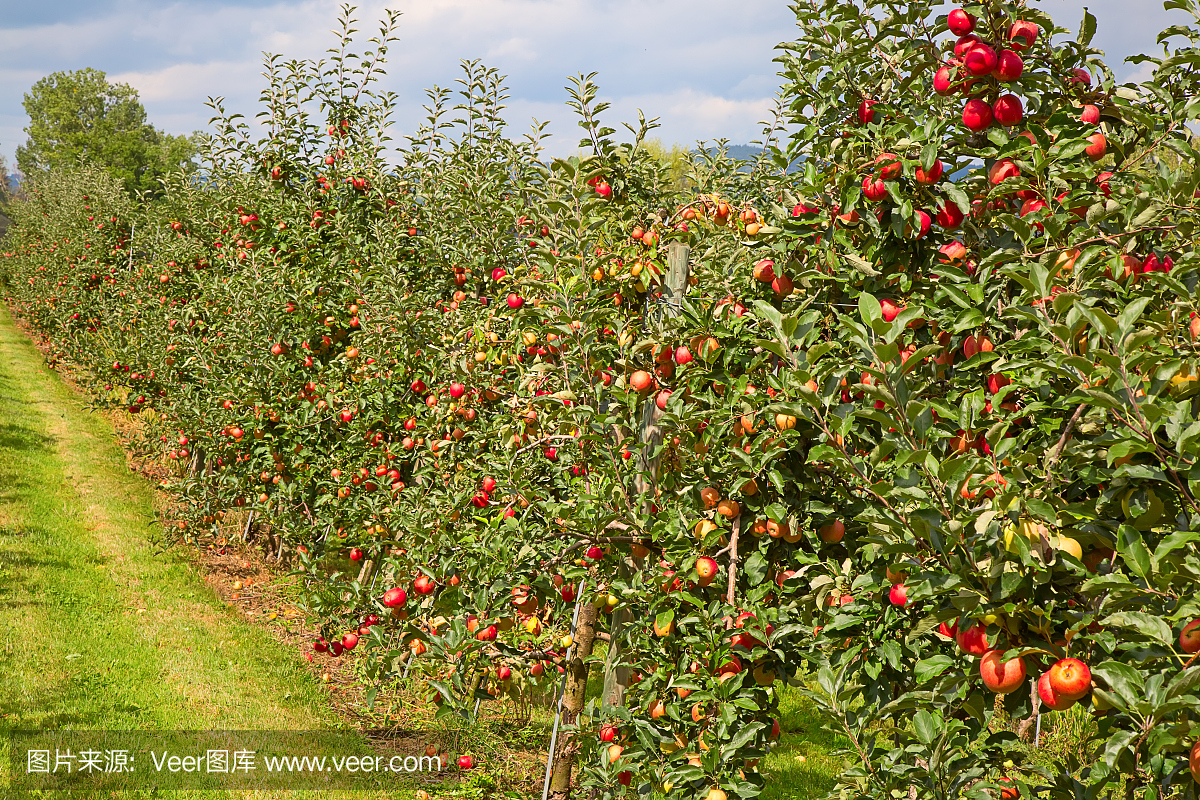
[[641, 381], [683, 356], [964, 43], [1022, 34], [1007, 110], [1070, 677], [514, 300], [1002, 170], [832, 532], [973, 640], [960, 22], [1081, 77], [1098, 146], [395, 597], [1009, 66], [933, 176], [890, 309], [663, 397], [764, 269], [873, 189], [977, 115], [949, 215], [1189, 637], [1001, 677], [943, 80], [608, 733], [891, 166], [424, 584], [706, 570], [1194, 762], [466, 762], [980, 60], [898, 595], [865, 114], [1052, 699], [1089, 114], [350, 641]]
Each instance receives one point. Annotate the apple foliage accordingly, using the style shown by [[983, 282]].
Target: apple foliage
[[490, 378]]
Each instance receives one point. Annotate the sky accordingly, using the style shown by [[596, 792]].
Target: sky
[[704, 67]]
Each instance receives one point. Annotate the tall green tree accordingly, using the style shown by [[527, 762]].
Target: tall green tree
[[81, 116]]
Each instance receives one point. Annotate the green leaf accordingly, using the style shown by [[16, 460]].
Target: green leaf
[[1143, 623], [869, 309], [1123, 679], [1133, 550], [926, 727], [756, 568], [931, 667]]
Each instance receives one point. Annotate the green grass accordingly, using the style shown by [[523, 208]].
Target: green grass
[[802, 766], [99, 628]]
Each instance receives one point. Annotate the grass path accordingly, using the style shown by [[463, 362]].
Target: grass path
[[99, 628]]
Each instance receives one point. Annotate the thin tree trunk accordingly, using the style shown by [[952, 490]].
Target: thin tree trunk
[[574, 696]]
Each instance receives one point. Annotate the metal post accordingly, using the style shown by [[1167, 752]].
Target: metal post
[[562, 690], [1037, 733]]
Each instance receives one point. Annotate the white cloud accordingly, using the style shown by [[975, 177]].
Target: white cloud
[[704, 67]]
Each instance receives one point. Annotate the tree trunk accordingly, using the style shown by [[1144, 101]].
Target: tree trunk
[[574, 695]]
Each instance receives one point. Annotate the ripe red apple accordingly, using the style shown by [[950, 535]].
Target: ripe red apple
[[1002, 170], [350, 641], [320, 646], [1081, 77], [424, 584], [977, 115], [603, 189], [641, 381], [964, 43], [356, 554], [949, 216], [1194, 762], [980, 60], [832, 532], [764, 270], [706, 570], [1089, 114], [1001, 677], [891, 166], [923, 224], [499, 273], [457, 390], [1070, 677], [973, 640], [1022, 34], [1189, 637], [683, 355], [873, 189], [1009, 66], [890, 309], [1098, 146], [608, 733], [503, 672], [898, 595], [1007, 110], [1008, 791], [1052, 699], [466, 762], [663, 398], [514, 300], [960, 22], [933, 176], [943, 80], [865, 114]]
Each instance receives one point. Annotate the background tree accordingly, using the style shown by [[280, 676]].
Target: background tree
[[80, 115]]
